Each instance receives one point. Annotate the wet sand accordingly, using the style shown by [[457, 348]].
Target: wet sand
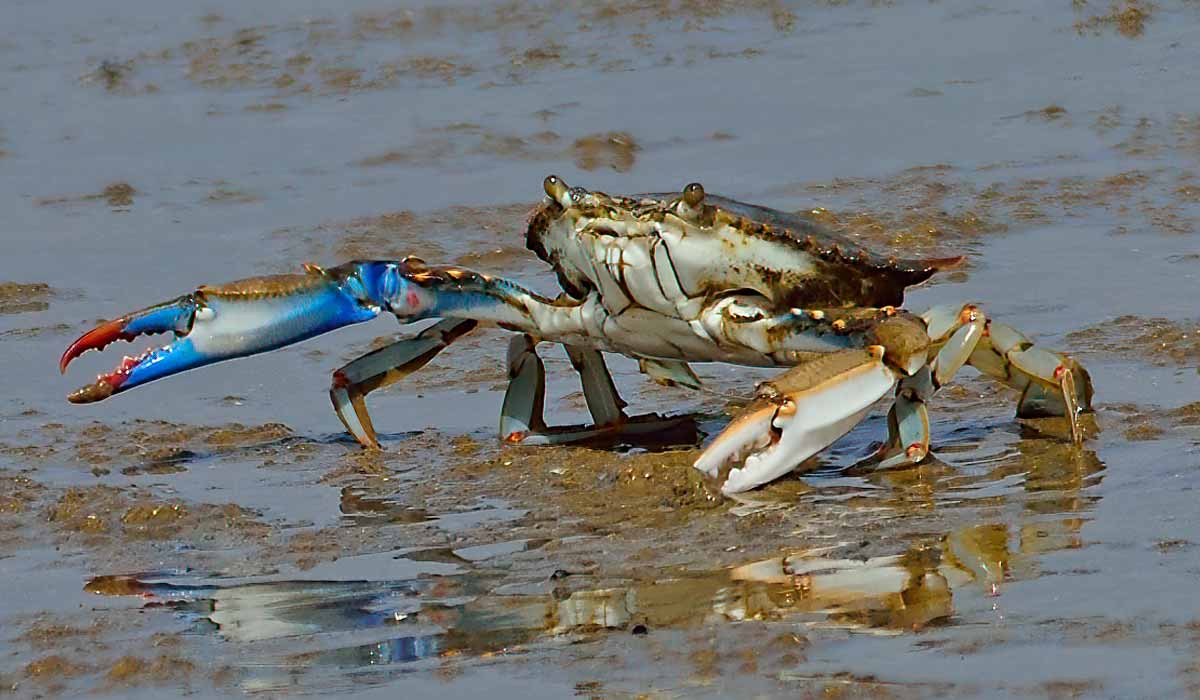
[[217, 532]]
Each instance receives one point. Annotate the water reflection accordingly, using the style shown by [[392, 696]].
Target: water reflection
[[1015, 509], [289, 625], [360, 507], [1048, 476]]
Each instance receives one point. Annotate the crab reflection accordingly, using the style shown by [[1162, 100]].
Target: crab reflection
[[1050, 478], [357, 624]]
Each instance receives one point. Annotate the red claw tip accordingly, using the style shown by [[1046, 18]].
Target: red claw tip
[[95, 339]]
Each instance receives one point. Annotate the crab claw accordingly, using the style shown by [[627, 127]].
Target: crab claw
[[219, 323], [796, 415], [177, 315]]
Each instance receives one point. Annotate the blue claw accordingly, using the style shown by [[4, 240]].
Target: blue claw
[[219, 323], [264, 313]]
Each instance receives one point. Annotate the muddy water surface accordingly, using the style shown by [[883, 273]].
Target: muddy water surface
[[217, 533]]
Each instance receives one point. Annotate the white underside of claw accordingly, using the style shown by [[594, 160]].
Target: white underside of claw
[[774, 442], [746, 433], [796, 445]]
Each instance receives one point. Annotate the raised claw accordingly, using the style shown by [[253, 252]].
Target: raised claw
[[178, 316], [219, 323], [796, 415]]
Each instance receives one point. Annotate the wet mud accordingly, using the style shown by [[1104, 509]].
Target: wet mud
[[218, 533], [18, 298]]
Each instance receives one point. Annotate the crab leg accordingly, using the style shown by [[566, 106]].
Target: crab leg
[[1051, 384], [796, 415], [908, 419], [521, 417], [385, 366]]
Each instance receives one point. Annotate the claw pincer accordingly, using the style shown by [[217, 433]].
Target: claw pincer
[[219, 323], [796, 415], [177, 315], [260, 314]]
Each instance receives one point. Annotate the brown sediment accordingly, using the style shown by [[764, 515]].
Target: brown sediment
[[113, 76], [20, 298], [538, 55], [106, 512], [1144, 431], [132, 671], [152, 517], [1073, 688], [265, 107], [1128, 18], [117, 194], [460, 234], [932, 209], [444, 69], [616, 150], [236, 434], [87, 510], [325, 55], [51, 669], [1049, 113], [425, 153], [50, 633], [1159, 341], [227, 194]]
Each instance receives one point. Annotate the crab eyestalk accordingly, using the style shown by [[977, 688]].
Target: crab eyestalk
[[690, 205], [557, 190]]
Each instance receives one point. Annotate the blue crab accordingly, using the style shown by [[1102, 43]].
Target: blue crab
[[668, 279]]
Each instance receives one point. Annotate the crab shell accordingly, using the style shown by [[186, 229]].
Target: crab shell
[[717, 245]]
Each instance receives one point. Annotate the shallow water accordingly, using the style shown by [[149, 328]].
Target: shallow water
[[216, 532]]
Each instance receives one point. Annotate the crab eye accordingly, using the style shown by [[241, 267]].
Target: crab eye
[[693, 194], [556, 189]]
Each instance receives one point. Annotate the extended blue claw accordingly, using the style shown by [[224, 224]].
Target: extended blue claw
[[264, 313], [219, 323]]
